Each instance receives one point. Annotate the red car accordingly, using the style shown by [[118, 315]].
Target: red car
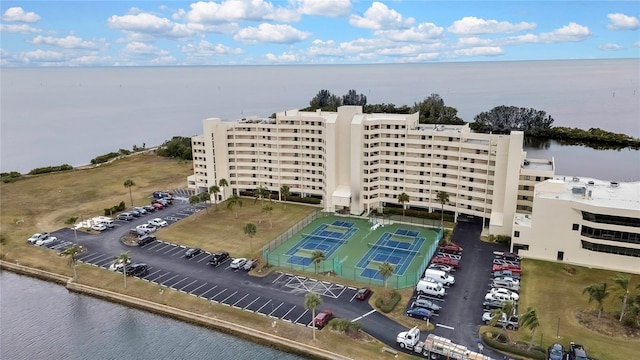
[[157, 206], [512, 268], [451, 248], [446, 261], [363, 294], [322, 318]]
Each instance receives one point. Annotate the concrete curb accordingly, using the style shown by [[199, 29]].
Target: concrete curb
[[183, 315]]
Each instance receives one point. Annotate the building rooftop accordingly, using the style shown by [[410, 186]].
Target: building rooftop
[[538, 164], [612, 194]]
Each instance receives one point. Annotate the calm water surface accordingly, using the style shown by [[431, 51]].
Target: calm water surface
[[41, 320]]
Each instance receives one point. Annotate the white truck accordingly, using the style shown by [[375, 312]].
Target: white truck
[[436, 347]]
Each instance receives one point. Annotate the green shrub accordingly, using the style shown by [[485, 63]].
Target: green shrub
[[394, 299], [115, 209], [344, 325], [10, 176], [536, 353], [50, 169], [418, 213], [104, 158]]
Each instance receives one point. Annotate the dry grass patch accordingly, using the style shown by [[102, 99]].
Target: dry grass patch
[[556, 293]]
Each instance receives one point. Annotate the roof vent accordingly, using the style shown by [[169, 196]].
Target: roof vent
[[615, 184], [576, 179], [590, 183], [579, 190]]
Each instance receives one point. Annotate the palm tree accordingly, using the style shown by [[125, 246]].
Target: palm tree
[[223, 183], [205, 196], [72, 221], [317, 256], [124, 259], [622, 282], [72, 252], [129, 184], [284, 193], [508, 307], [261, 193], [443, 198], [402, 199], [597, 293], [250, 230], [194, 199], [215, 189], [530, 320], [268, 208], [311, 302], [386, 270], [233, 201]]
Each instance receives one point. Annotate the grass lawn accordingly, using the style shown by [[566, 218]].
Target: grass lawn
[[556, 294]]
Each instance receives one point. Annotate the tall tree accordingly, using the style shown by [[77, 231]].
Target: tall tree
[[129, 184], [124, 259], [223, 184], [284, 194], [622, 286], [250, 230], [386, 270], [443, 198], [530, 320], [234, 200], [267, 209], [311, 302], [194, 199], [261, 193], [598, 293], [402, 199], [433, 111], [215, 189], [503, 119], [204, 197], [317, 256], [72, 253], [72, 222], [352, 98], [508, 308], [325, 101]]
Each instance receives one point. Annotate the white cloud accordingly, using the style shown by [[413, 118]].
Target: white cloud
[[235, 10], [568, 33], [18, 28], [422, 33], [619, 21], [149, 24], [636, 44], [138, 48], [206, 49], [285, 57], [331, 8], [610, 47], [480, 51], [164, 60], [471, 25], [41, 56], [380, 17], [473, 41], [68, 42], [17, 14], [270, 33]]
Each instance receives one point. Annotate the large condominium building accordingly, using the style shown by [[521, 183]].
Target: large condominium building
[[582, 221], [357, 162]]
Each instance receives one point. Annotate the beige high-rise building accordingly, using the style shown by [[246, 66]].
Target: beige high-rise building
[[356, 162]]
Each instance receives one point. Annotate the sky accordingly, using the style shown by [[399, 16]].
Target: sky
[[287, 32]]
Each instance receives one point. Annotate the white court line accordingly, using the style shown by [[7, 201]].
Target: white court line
[[367, 314]]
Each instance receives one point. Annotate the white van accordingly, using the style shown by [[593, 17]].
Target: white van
[[430, 288], [106, 222], [440, 276]]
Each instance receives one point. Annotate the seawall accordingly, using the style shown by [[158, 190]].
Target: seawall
[[179, 314]]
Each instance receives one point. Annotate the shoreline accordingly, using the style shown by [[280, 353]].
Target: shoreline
[[223, 326]]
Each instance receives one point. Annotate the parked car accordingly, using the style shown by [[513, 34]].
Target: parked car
[[149, 208], [363, 293], [138, 269], [237, 263], [509, 256], [146, 239], [577, 352], [514, 295], [451, 248], [500, 296], [492, 304], [510, 323], [218, 258], [140, 209], [135, 213], [158, 222], [322, 318], [49, 240], [446, 261], [556, 352], [125, 216], [420, 313], [192, 252], [501, 267], [157, 206], [424, 302], [35, 237], [146, 228], [250, 264], [506, 282], [445, 268], [117, 265], [98, 227], [503, 273]]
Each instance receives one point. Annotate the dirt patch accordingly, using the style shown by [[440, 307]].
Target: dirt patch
[[607, 324], [130, 240], [570, 270]]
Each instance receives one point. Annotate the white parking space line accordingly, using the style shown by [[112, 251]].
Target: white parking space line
[[281, 274], [154, 245], [234, 304], [265, 304], [277, 307], [219, 293], [301, 315], [171, 278], [164, 247], [360, 317], [175, 250], [290, 310], [225, 299], [204, 257], [353, 297], [191, 283], [181, 214], [256, 299], [192, 291], [93, 257], [205, 293], [445, 326]]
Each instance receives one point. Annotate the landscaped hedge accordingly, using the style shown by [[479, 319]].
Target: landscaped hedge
[[10, 176], [536, 352], [50, 169], [388, 307], [306, 200], [114, 209], [423, 214]]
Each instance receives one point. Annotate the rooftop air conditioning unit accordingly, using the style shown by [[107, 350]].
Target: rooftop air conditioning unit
[[615, 184], [590, 183], [576, 179]]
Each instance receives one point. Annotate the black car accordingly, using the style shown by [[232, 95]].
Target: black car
[[577, 352], [192, 252], [218, 258], [144, 240], [139, 269], [492, 304]]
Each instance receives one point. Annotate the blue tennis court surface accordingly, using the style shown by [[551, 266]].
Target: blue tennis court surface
[[398, 249], [326, 238]]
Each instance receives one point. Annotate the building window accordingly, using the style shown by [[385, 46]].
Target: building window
[[516, 233], [560, 256], [576, 227]]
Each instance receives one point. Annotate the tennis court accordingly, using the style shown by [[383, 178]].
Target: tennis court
[[326, 238], [398, 249]]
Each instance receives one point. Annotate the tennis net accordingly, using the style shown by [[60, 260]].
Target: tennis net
[[393, 249], [403, 238], [314, 237]]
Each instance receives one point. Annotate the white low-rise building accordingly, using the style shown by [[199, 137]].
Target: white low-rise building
[[582, 221]]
